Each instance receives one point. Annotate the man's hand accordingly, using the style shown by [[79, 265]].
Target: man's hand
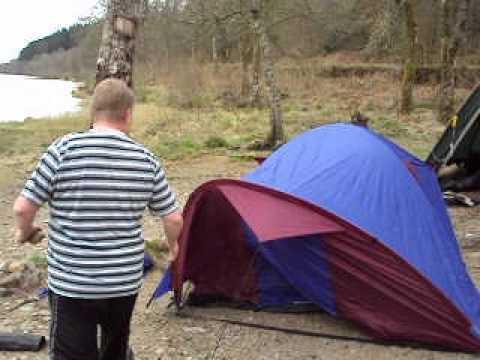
[[173, 224], [25, 211], [34, 236], [173, 251]]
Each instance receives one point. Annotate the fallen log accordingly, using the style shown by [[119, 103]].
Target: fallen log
[[21, 342]]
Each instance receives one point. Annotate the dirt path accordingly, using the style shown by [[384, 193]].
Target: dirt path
[[159, 334]]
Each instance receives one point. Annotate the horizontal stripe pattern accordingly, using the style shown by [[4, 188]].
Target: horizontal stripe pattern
[[98, 185]]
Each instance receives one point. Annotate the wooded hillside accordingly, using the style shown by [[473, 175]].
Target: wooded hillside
[[219, 31]]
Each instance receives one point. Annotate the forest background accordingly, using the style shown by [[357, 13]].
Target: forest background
[[208, 56]]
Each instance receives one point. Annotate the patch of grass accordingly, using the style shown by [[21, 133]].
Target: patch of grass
[[156, 247], [39, 259], [214, 142], [34, 135], [190, 100], [390, 127], [184, 118], [178, 148]]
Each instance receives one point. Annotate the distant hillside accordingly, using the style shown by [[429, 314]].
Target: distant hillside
[[65, 39], [68, 53]]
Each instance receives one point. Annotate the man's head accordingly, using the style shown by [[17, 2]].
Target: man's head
[[112, 102]]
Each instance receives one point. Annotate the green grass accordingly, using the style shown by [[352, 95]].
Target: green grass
[[175, 131], [35, 135], [39, 259]]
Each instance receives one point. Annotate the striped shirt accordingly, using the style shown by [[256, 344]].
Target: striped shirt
[[98, 184]]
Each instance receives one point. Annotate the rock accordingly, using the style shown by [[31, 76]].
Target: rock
[[160, 352], [195, 330], [3, 267], [16, 266], [27, 308], [11, 281], [21, 275], [4, 292]]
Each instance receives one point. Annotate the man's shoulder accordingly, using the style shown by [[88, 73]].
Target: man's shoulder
[[61, 142], [149, 154], [89, 136]]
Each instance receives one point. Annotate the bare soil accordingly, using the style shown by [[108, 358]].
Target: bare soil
[[157, 333]]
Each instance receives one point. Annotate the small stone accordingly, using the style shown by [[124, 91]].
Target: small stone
[[195, 330], [27, 308], [11, 281], [475, 256], [4, 266], [159, 351], [4, 292], [16, 266]]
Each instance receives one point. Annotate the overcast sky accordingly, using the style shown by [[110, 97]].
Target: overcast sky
[[22, 21]]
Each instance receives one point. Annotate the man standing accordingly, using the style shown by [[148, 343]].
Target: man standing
[[97, 184]]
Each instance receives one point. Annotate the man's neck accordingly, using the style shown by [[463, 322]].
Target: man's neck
[[107, 125]]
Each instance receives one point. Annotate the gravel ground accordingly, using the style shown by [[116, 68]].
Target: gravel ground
[[157, 333]]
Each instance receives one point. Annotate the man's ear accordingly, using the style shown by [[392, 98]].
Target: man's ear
[[129, 115]]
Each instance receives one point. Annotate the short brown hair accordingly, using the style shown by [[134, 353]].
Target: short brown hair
[[111, 99]]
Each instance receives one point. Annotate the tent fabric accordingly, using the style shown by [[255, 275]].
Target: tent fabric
[[460, 142], [342, 218]]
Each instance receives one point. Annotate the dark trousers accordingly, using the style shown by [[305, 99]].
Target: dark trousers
[[74, 323]]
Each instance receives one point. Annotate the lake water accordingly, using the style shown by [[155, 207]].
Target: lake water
[[24, 96]]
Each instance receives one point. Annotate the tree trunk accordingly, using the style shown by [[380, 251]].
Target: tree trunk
[[215, 53], [451, 41], [245, 45], [276, 135], [245, 49], [169, 11], [255, 86], [215, 37], [386, 29], [410, 62], [117, 48]]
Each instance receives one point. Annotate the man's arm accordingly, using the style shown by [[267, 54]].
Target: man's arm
[[37, 190], [173, 224], [25, 211]]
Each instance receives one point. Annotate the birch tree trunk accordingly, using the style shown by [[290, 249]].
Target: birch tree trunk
[[255, 85], [451, 42], [410, 61], [117, 48], [246, 44], [276, 135], [386, 29], [246, 58]]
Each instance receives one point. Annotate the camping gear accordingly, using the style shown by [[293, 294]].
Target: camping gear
[[459, 148], [21, 342], [342, 218], [460, 142], [453, 198]]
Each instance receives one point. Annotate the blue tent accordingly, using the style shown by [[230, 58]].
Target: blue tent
[[343, 218]]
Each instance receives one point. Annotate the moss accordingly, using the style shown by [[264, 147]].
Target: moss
[[214, 142]]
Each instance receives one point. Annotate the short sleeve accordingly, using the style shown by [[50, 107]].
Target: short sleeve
[[39, 186], [163, 201]]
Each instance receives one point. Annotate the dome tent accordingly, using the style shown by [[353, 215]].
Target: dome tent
[[342, 218]]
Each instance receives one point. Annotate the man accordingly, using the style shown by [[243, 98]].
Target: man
[[97, 184]]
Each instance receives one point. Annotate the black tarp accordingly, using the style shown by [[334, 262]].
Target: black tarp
[[460, 142], [21, 342]]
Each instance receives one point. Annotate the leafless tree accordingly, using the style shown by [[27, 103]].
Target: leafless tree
[[410, 57], [117, 48], [258, 11], [452, 37]]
